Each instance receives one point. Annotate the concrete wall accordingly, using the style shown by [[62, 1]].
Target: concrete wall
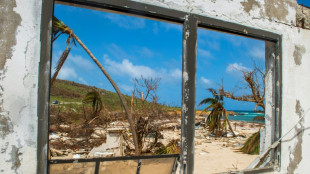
[[20, 55], [19, 60]]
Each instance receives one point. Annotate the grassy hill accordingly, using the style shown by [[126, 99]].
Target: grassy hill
[[68, 91]]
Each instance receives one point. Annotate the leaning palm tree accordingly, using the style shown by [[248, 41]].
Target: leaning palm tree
[[216, 104], [60, 28]]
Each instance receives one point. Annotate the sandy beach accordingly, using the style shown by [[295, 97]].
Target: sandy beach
[[217, 155]]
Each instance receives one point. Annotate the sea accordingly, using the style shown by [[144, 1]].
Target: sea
[[246, 116]]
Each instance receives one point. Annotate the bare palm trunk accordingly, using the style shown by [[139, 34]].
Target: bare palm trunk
[[229, 124], [129, 116]]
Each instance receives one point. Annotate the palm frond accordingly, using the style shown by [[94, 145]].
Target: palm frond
[[251, 146], [207, 100], [60, 28], [94, 98]]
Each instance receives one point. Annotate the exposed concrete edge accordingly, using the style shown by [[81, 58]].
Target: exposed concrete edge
[[303, 17]]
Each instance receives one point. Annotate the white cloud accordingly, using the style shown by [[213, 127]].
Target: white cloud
[[80, 79], [176, 73], [127, 68], [78, 60], [145, 52], [126, 88], [257, 52], [118, 52], [235, 67], [67, 73], [127, 22], [205, 81], [204, 53]]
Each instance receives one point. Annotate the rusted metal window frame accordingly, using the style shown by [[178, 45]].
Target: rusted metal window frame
[[190, 23]]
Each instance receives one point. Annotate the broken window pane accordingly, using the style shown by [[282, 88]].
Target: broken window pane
[[119, 167]]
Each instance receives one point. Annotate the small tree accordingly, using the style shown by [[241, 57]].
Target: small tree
[[94, 98], [216, 104], [255, 82]]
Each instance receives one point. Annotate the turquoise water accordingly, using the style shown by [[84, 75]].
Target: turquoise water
[[246, 116]]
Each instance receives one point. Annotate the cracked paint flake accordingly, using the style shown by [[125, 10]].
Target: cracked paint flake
[[296, 153], [299, 51], [248, 5], [15, 160], [277, 9], [5, 126], [9, 21]]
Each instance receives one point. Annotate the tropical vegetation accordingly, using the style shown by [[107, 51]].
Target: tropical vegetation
[[214, 121]]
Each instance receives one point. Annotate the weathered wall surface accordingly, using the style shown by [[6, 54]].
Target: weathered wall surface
[[287, 18], [19, 58], [20, 54]]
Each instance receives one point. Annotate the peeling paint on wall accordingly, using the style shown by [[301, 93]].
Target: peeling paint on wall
[[277, 9], [249, 4], [9, 21], [296, 154], [15, 158], [299, 51], [5, 126]]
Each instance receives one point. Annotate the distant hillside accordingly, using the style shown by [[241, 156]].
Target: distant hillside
[[68, 91]]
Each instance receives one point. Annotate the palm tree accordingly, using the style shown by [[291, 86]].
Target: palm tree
[[94, 98], [60, 28], [216, 104]]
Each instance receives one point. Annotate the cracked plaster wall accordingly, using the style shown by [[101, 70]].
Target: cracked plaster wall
[[19, 73], [19, 60]]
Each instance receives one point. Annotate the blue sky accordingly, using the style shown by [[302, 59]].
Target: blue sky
[[129, 47], [304, 2]]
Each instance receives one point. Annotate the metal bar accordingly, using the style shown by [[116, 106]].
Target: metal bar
[[175, 165], [233, 28], [278, 97], [188, 94], [60, 161], [260, 170], [139, 166], [44, 85], [97, 167]]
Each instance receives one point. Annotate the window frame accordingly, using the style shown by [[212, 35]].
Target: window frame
[[190, 23]]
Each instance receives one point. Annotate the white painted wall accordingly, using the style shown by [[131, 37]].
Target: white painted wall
[[18, 93], [19, 78]]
